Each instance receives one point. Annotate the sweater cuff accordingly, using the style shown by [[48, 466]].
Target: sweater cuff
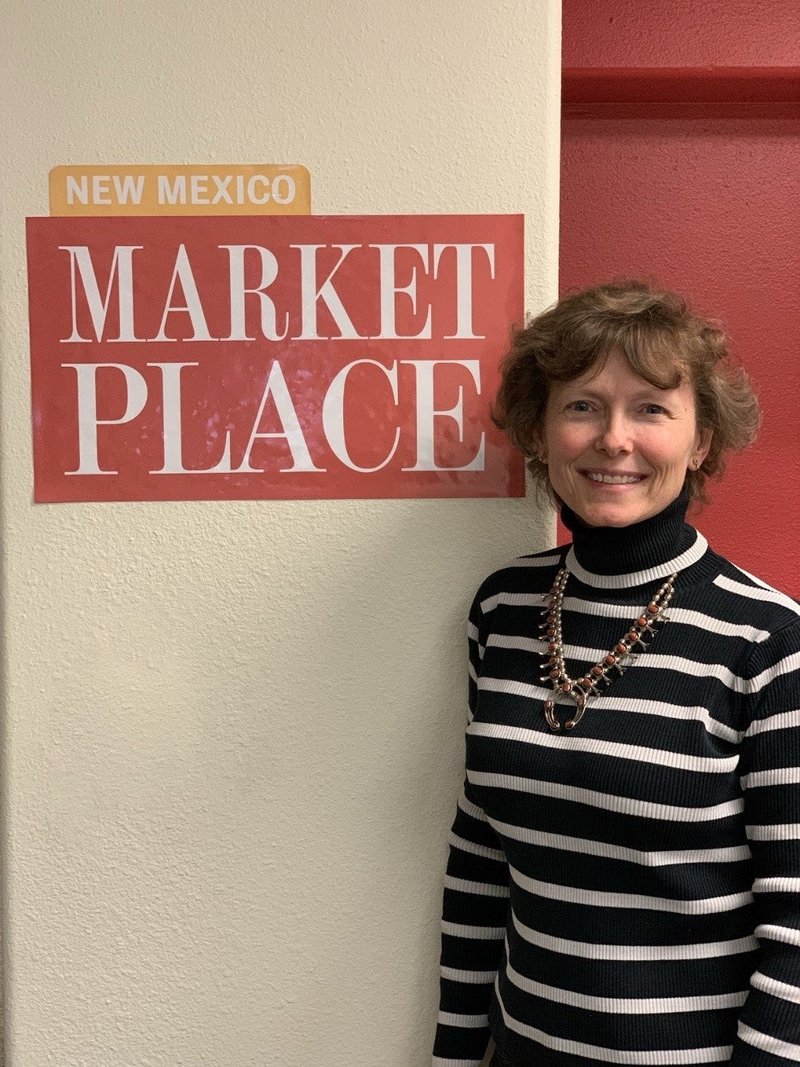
[[460, 1043]]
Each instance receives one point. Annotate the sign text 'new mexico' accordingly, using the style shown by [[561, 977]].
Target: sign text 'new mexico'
[[152, 189]]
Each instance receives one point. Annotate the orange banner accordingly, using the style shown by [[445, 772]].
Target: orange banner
[[235, 189]]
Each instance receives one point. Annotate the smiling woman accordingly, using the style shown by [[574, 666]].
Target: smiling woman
[[657, 345], [624, 875], [617, 449]]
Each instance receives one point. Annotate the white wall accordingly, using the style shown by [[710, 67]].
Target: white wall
[[233, 731]]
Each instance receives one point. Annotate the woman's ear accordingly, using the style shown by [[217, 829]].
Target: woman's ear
[[702, 447]]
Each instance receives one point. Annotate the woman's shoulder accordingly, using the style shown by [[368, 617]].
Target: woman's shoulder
[[767, 607], [521, 580]]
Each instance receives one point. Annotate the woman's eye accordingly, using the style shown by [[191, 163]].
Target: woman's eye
[[654, 409], [579, 406]]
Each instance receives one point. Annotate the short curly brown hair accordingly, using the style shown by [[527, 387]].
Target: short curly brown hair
[[663, 340]]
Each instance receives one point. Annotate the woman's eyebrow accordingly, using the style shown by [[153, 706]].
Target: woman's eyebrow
[[600, 394]]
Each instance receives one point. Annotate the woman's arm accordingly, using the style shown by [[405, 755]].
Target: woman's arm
[[769, 1023], [474, 910]]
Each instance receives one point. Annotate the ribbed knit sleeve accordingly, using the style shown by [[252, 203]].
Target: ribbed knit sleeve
[[474, 911], [769, 1023]]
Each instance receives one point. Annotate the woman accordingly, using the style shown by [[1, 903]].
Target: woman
[[624, 876]]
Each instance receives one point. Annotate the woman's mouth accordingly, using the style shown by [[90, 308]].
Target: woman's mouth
[[609, 478]]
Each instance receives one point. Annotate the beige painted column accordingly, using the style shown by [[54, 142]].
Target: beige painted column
[[233, 731]]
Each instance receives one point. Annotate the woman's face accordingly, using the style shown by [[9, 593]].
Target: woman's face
[[618, 448]]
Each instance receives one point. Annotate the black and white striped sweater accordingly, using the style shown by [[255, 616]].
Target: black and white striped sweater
[[629, 893]]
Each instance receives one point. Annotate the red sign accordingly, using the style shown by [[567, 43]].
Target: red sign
[[271, 357]]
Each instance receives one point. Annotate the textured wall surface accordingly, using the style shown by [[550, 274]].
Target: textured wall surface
[[682, 33], [232, 731]]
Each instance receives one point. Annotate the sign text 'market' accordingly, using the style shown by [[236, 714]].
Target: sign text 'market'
[[456, 264]]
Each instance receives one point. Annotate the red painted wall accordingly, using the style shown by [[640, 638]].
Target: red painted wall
[[680, 33], [704, 198]]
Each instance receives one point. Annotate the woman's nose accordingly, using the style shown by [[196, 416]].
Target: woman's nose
[[614, 437]]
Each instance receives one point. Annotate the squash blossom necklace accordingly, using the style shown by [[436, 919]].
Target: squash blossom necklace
[[613, 665]]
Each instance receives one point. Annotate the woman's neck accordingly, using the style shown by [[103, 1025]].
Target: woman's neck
[[618, 550]]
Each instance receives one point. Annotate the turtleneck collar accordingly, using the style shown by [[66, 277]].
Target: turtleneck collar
[[655, 547]]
